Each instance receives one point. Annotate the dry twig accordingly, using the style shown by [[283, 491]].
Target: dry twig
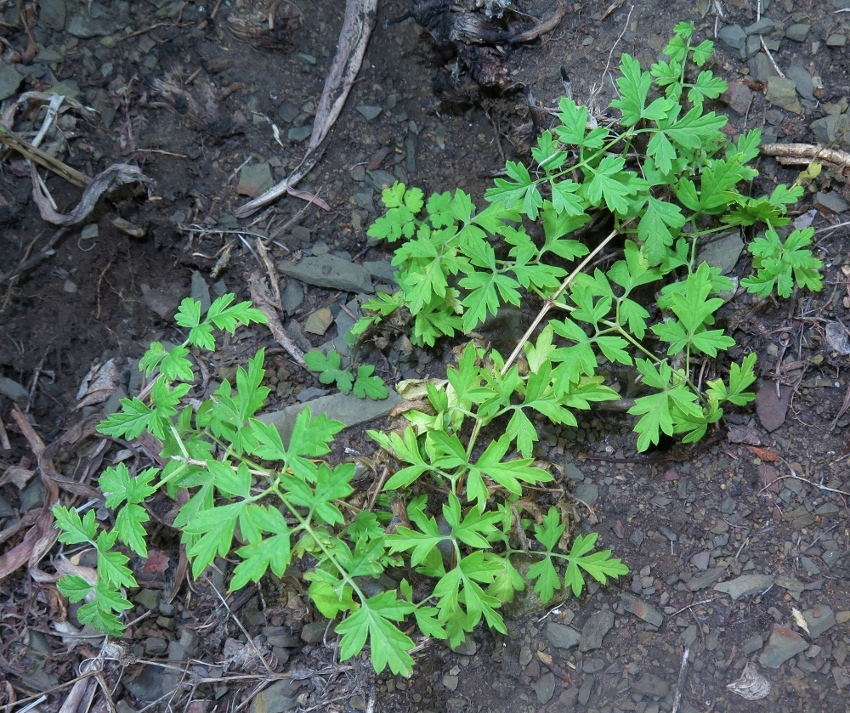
[[806, 153]]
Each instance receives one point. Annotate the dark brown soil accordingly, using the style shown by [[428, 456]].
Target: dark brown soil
[[84, 304]]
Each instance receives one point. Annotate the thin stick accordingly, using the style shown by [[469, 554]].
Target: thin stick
[[680, 683], [550, 302]]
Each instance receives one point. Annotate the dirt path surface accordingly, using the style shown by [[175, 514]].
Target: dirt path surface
[[725, 539]]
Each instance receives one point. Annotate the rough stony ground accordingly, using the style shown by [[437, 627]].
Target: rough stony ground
[[725, 540]]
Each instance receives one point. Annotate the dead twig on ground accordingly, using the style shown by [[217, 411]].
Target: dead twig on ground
[[262, 298], [797, 154], [353, 38], [42, 158]]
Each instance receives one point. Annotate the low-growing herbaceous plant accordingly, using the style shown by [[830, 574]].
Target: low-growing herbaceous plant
[[457, 518]]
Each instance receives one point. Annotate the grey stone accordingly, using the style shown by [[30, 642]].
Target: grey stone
[[147, 685], [782, 92], [733, 37], [6, 508], [781, 646], [175, 651], [11, 389], [648, 684], [148, 598], [701, 560], [85, 27], [287, 111], [585, 690], [346, 408], [642, 610], [10, 80], [798, 32], [802, 80], [722, 250], [760, 27], [792, 584], [562, 637], [49, 55], [745, 584], [298, 134], [381, 270], [830, 128], [314, 632], [370, 112], [819, 619], [52, 13], [705, 579], [279, 697], [450, 681], [310, 393], [292, 296], [154, 646], [594, 630], [200, 291], [380, 179], [751, 645], [831, 201], [689, 635], [254, 179], [761, 68], [588, 492], [836, 39], [544, 687], [329, 271], [591, 665], [67, 88], [33, 495], [467, 647]]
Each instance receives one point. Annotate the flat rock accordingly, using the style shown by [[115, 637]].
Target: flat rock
[[279, 697], [831, 201], [819, 619], [254, 179], [771, 409], [340, 407], [370, 112], [642, 610], [85, 27], [745, 584], [319, 321], [722, 250], [781, 646], [648, 684], [829, 129], [594, 630], [733, 37], [11, 389], [738, 96], [802, 81], [291, 296], [562, 637], [10, 80], [52, 13], [544, 687], [798, 32], [329, 271], [782, 92], [705, 579]]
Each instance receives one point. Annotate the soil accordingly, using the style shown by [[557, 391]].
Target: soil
[[748, 501]]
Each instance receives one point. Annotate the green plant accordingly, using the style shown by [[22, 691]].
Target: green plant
[[668, 177], [266, 504], [364, 383]]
